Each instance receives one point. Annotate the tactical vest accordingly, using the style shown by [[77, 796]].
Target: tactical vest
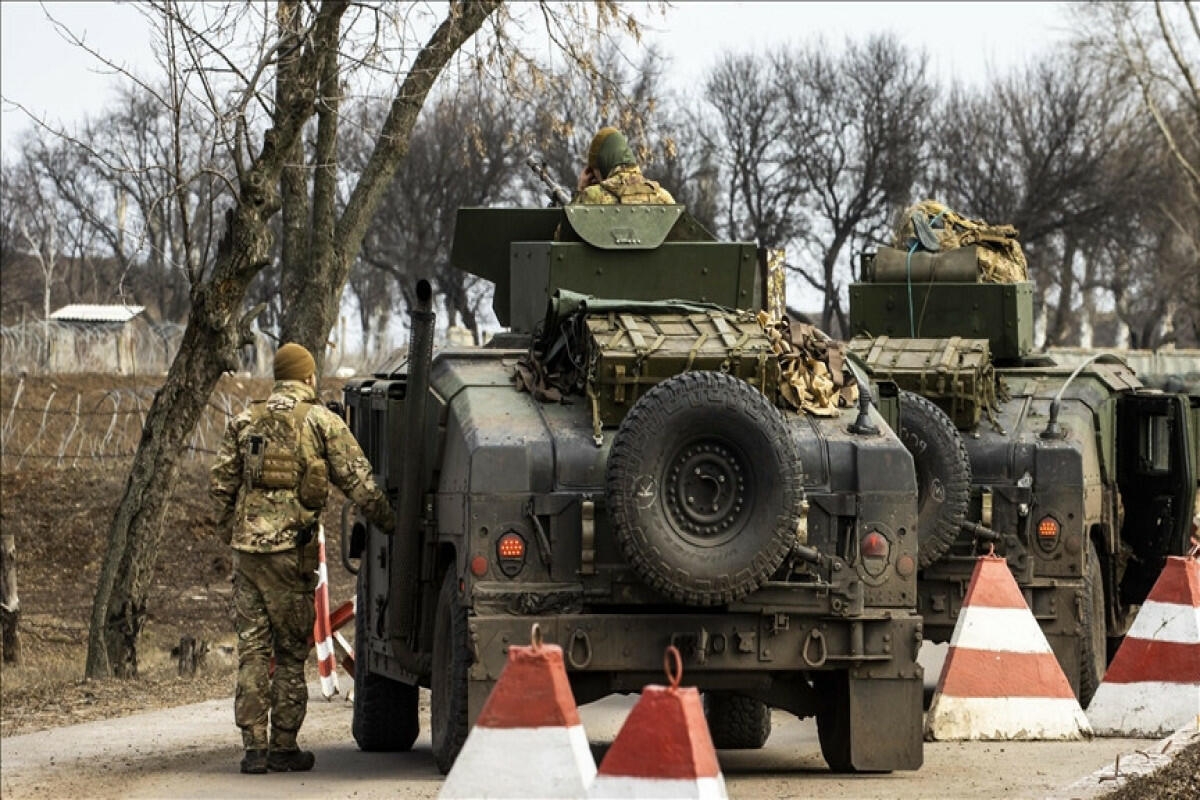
[[272, 456], [632, 192]]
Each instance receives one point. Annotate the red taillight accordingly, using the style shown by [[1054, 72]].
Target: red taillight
[[510, 552], [874, 549], [479, 566], [874, 545], [1047, 532]]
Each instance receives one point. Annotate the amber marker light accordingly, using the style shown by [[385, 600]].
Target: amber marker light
[[1047, 531], [511, 546]]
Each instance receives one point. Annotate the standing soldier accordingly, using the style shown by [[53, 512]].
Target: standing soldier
[[270, 479], [612, 175]]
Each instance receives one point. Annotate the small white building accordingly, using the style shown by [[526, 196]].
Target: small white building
[[110, 339]]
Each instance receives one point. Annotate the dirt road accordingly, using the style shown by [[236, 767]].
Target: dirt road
[[193, 751]]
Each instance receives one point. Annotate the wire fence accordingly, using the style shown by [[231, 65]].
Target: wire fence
[[133, 348], [49, 426]]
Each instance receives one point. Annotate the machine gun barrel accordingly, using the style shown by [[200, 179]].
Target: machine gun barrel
[[558, 195]]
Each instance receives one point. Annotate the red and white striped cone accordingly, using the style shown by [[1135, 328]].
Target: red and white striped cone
[[1000, 679], [322, 629], [528, 741], [664, 749], [1152, 686]]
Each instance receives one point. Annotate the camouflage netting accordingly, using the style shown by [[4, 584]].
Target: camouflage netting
[[813, 376], [1000, 257], [776, 285]]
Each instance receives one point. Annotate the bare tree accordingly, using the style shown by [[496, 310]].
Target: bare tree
[[190, 49], [313, 287], [223, 60], [856, 132], [1150, 52], [817, 150], [761, 197], [1053, 150], [464, 151], [43, 224]]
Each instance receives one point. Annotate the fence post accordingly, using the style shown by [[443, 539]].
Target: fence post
[[10, 605]]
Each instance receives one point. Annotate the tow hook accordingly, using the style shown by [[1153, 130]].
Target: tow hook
[[580, 641]]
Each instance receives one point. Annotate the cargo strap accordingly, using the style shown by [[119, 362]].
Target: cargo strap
[[912, 324], [694, 350], [629, 327], [597, 425]]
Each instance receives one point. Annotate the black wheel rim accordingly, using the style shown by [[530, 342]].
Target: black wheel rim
[[708, 485]]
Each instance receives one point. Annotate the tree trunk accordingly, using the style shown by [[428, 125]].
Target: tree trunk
[[295, 231], [337, 244], [208, 348], [310, 300], [1087, 327], [831, 307], [10, 603], [1061, 325]]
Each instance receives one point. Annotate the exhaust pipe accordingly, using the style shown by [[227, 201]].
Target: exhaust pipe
[[406, 547]]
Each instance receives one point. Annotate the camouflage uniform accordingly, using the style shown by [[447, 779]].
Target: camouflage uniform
[[627, 186], [273, 577]]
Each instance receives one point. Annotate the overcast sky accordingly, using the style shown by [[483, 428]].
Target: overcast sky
[[54, 79]]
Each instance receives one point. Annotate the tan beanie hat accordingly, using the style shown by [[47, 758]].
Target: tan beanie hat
[[293, 363]]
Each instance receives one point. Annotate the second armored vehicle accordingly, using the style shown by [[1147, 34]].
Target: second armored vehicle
[[1082, 479]]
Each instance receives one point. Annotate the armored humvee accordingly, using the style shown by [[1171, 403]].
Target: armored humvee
[[1083, 479], [617, 468]]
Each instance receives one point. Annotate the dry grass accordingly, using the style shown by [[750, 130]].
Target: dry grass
[[1179, 780], [47, 688], [60, 518], [49, 703]]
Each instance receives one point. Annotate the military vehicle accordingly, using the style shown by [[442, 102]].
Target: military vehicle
[[617, 467], [1083, 479]]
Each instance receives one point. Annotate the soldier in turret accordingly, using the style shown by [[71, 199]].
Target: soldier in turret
[[612, 175], [270, 480]]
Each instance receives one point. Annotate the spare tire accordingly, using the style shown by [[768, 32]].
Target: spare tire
[[703, 488], [943, 475]]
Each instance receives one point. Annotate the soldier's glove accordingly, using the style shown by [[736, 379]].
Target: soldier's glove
[[384, 518], [387, 523], [304, 536]]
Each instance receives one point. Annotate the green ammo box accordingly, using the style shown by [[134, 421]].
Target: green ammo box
[[716, 341], [1002, 313], [933, 296], [956, 374]]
